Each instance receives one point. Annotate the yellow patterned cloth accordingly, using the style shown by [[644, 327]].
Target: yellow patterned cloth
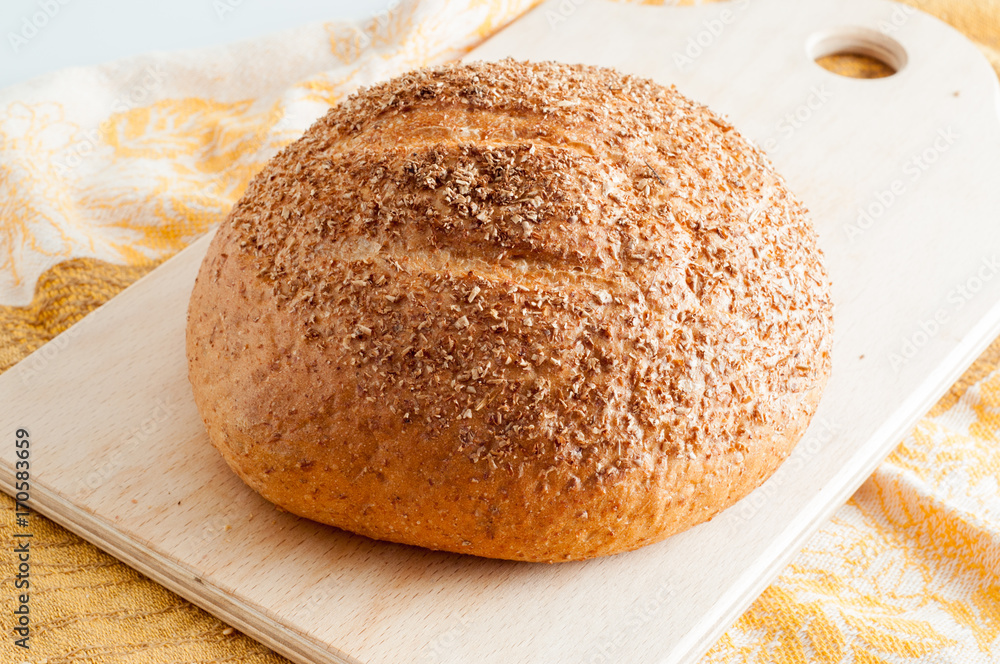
[[106, 171]]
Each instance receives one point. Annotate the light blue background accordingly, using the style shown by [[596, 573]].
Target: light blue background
[[86, 32]]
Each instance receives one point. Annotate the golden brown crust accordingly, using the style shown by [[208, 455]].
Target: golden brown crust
[[519, 310]]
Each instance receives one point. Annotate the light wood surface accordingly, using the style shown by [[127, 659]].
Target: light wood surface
[[120, 455]]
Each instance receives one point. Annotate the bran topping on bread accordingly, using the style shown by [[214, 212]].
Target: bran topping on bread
[[542, 266]]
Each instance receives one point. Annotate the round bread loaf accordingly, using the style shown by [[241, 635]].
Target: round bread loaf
[[519, 310]]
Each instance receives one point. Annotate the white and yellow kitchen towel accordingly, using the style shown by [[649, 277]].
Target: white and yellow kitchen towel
[[106, 171]]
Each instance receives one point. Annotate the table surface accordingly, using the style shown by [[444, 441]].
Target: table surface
[[62, 33]]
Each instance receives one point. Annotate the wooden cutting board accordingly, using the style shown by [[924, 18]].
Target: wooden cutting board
[[900, 174]]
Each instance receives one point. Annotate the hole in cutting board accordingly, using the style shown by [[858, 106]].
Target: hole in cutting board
[[856, 52]]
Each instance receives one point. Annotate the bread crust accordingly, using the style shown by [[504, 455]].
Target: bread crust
[[520, 310]]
